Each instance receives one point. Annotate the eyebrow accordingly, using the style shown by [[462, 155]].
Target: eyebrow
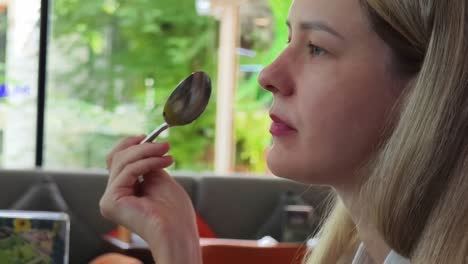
[[318, 26]]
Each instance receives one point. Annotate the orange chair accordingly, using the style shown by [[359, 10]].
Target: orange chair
[[229, 251], [219, 251], [115, 258]]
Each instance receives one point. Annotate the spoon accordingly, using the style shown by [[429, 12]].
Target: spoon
[[186, 103]]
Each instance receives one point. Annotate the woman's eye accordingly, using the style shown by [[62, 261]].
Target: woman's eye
[[316, 50]]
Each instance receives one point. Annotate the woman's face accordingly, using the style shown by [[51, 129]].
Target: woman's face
[[333, 89]]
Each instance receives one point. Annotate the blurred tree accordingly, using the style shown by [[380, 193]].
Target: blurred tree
[[252, 102], [135, 52], [133, 41], [123, 52]]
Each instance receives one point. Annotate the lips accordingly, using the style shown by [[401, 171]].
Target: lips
[[280, 127]]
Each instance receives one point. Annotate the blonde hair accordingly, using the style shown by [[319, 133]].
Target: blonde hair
[[417, 192]]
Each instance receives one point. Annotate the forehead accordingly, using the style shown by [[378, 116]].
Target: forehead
[[345, 16]]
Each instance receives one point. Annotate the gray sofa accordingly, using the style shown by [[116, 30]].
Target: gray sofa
[[235, 206]]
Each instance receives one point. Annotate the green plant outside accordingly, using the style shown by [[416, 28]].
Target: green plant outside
[[126, 43], [252, 102]]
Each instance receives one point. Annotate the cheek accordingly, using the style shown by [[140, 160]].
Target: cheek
[[340, 123], [347, 113]]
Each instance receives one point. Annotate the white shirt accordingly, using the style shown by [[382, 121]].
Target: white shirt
[[362, 257]]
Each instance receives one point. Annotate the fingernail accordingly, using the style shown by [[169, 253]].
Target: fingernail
[[169, 158]]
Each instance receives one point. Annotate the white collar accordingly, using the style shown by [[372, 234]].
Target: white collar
[[362, 257]]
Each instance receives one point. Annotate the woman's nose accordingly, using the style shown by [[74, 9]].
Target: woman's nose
[[276, 78]]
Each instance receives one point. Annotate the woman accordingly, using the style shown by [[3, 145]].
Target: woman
[[371, 98]]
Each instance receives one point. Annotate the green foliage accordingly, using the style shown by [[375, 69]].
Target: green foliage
[[3, 35], [131, 41], [16, 251], [252, 102], [115, 45]]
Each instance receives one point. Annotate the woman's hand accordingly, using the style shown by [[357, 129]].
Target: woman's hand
[[159, 209]]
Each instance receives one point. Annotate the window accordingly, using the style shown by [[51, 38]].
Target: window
[[19, 49], [263, 36], [111, 65]]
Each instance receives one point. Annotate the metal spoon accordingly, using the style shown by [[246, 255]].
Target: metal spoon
[[186, 103]]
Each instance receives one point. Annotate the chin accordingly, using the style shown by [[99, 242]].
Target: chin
[[286, 166], [294, 167]]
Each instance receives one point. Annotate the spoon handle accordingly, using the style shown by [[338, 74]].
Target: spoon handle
[[155, 133], [152, 136]]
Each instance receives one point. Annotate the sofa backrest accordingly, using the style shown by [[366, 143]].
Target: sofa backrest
[[237, 206], [234, 206]]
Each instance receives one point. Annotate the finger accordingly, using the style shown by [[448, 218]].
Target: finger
[[123, 144], [135, 153], [129, 175]]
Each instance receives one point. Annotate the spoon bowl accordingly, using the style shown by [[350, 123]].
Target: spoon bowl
[[186, 103], [189, 100]]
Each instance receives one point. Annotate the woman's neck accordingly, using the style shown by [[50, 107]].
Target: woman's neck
[[375, 246]]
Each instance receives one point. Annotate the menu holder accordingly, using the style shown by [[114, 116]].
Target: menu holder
[[34, 237]]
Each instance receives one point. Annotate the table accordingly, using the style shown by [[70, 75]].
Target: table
[[230, 251], [137, 248]]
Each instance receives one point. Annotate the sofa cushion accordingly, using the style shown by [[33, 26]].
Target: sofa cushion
[[273, 226], [204, 230], [42, 196], [46, 196], [83, 190], [14, 183], [238, 206]]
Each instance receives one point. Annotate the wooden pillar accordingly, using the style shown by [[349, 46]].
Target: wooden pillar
[[227, 83]]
